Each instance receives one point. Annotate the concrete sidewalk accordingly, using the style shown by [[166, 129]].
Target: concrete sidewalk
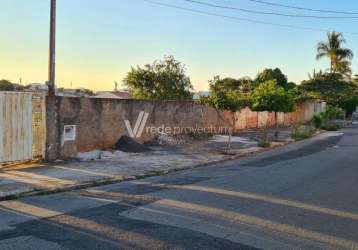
[[24, 180]]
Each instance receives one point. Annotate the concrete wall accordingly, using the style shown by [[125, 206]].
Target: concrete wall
[[247, 119], [101, 122]]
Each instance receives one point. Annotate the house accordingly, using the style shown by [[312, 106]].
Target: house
[[80, 92]]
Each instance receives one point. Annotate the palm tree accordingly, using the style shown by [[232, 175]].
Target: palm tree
[[344, 68], [340, 57]]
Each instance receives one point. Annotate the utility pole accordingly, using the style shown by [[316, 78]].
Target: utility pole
[[52, 52]]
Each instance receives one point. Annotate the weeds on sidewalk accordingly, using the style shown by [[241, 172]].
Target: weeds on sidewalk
[[302, 132]]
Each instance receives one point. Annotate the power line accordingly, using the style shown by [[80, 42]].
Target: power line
[[242, 19], [268, 13], [303, 8]]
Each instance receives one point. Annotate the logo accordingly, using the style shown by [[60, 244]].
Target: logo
[[137, 131]]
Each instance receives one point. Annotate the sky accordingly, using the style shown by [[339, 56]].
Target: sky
[[99, 40]]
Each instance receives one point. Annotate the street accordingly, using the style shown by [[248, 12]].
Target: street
[[303, 196]]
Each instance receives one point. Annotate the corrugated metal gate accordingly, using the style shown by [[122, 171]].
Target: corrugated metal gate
[[22, 126]]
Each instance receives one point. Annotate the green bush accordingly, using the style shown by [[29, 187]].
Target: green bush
[[326, 119], [333, 113], [317, 121], [331, 127]]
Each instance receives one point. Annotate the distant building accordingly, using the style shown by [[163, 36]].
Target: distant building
[[41, 87], [113, 95], [81, 92]]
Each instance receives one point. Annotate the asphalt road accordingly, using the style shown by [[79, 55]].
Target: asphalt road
[[304, 196]]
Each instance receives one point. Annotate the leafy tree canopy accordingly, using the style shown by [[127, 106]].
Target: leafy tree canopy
[[268, 96], [276, 75], [228, 93], [350, 105], [6, 85], [355, 79], [331, 88], [244, 85], [162, 80], [300, 95]]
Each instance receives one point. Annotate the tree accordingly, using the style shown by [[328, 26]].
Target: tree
[[6, 85], [344, 68], [272, 98], [331, 88], [247, 85], [355, 79], [299, 94], [274, 74], [335, 90], [350, 105], [242, 86], [339, 57], [162, 80], [227, 94], [316, 74]]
